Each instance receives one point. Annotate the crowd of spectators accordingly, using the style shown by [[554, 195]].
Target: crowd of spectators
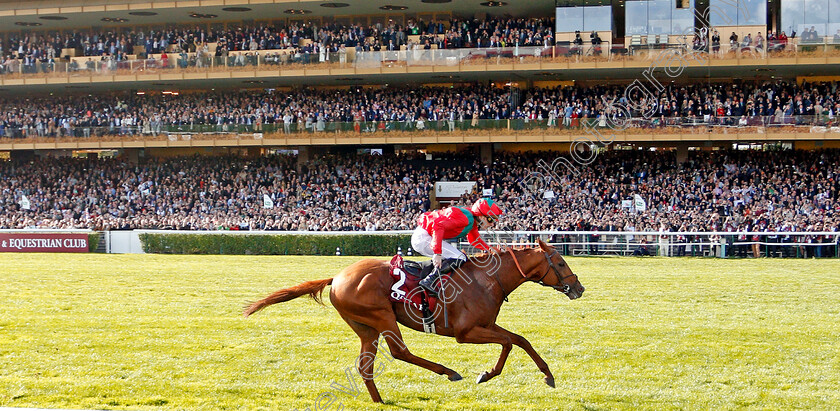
[[39, 50], [729, 191], [43, 49], [399, 108], [782, 191], [339, 193]]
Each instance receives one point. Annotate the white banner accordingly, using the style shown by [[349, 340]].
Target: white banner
[[24, 203], [487, 192], [626, 203], [267, 201], [640, 203], [453, 189], [548, 194]]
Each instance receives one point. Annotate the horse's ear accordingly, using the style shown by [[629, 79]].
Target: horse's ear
[[543, 246]]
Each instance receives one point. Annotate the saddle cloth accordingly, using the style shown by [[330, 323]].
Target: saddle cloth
[[406, 288]]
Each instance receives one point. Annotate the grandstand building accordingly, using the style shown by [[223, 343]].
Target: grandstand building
[[455, 83], [128, 49]]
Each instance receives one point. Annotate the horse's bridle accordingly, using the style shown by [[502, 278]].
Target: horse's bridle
[[563, 288]]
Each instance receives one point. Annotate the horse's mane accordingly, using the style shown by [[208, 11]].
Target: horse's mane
[[485, 254]]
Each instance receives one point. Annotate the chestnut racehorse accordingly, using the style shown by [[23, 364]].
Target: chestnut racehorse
[[474, 296]]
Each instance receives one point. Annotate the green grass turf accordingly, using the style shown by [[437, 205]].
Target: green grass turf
[[165, 332]]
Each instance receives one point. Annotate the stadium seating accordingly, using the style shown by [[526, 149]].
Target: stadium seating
[[781, 106], [711, 191]]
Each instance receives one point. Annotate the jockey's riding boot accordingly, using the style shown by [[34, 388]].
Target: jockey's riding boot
[[428, 283], [450, 264], [447, 266]]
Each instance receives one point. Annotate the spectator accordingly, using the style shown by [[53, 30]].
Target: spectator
[[733, 41], [642, 249], [716, 42]]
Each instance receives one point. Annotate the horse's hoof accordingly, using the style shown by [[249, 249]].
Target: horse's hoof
[[485, 376], [549, 381], [455, 377]]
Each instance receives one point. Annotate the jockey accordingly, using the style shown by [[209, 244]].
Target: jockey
[[451, 223]]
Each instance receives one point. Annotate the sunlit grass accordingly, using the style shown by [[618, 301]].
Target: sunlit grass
[[166, 332]]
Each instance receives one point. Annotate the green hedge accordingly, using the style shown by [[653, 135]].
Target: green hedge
[[280, 244], [93, 241]]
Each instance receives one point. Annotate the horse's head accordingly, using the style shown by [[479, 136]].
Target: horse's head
[[555, 273]]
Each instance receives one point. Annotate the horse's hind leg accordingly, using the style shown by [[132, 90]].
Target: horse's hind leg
[[369, 337], [387, 326]]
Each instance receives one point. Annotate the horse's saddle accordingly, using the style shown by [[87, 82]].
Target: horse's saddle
[[419, 269], [406, 288]]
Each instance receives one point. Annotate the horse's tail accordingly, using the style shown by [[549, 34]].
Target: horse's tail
[[313, 288]]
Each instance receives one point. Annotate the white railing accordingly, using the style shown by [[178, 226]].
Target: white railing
[[261, 232], [45, 230], [722, 244]]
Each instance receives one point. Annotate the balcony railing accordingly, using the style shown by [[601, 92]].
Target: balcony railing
[[289, 59], [572, 128]]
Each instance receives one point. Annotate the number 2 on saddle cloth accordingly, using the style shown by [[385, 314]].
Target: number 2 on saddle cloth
[[406, 288]]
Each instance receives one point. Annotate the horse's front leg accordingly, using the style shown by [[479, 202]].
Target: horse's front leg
[[521, 342], [481, 335]]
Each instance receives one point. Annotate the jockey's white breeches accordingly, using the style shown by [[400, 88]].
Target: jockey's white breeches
[[422, 243]]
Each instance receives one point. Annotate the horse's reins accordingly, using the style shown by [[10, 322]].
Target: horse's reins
[[564, 288]]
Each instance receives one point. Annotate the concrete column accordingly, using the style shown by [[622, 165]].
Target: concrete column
[[132, 155], [304, 156], [254, 152], [487, 153], [682, 153]]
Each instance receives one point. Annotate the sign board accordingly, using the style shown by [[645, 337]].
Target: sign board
[[43, 243], [639, 203], [24, 203], [453, 189]]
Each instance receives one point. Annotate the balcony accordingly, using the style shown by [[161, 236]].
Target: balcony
[[671, 129], [342, 67]]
